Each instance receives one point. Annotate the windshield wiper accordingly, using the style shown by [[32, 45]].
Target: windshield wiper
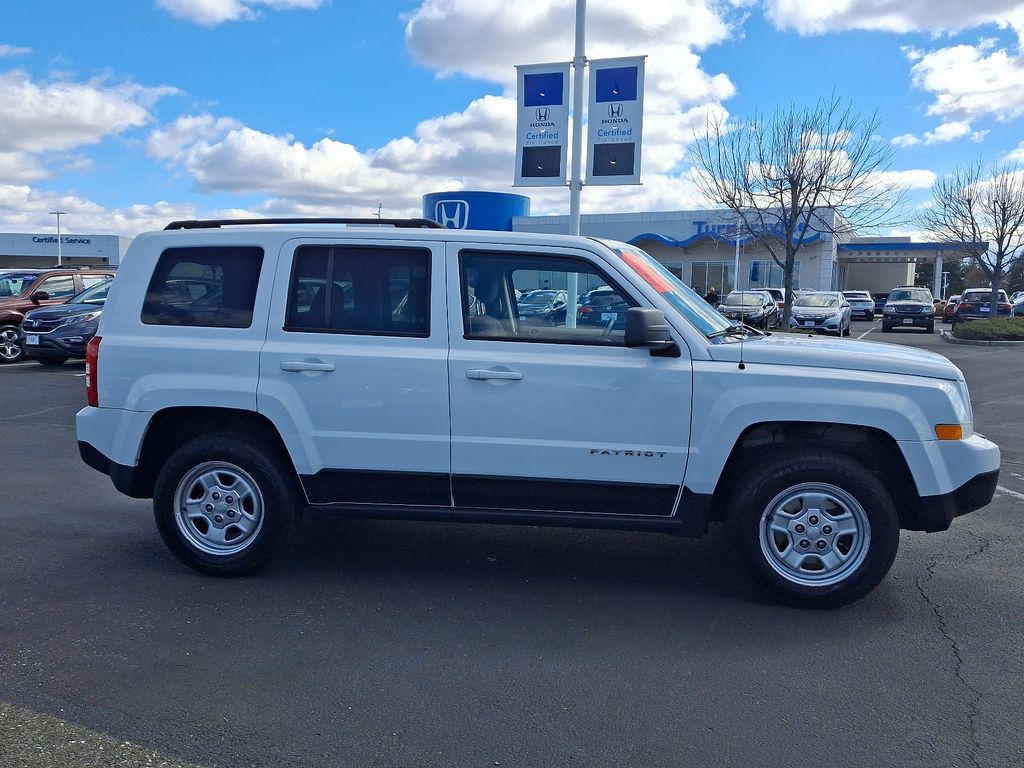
[[736, 330]]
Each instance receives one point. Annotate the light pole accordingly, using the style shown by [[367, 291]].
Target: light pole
[[58, 214]]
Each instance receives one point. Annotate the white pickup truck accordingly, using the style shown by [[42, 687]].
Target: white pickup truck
[[244, 371]]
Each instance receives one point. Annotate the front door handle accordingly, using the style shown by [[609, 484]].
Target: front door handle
[[295, 366], [483, 374]]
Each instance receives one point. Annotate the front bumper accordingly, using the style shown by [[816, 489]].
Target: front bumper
[[904, 320], [71, 344], [953, 477], [936, 513], [817, 324]]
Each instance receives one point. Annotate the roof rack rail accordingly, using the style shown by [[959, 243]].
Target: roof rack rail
[[215, 223]]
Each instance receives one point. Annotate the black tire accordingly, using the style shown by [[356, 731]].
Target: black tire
[[871, 316], [259, 484], [886, 328], [931, 327], [51, 360], [848, 330], [837, 480], [11, 350]]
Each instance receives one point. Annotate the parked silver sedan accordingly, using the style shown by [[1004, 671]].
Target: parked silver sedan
[[822, 312]]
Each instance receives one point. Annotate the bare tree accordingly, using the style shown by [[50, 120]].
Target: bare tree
[[794, 173], [980, 212]]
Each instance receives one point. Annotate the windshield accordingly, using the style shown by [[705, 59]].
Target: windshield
[[818, 300], [857, 295], [96, 294], [911, 294], [538, 297], [15, 283], [682, 298], [737, 298]]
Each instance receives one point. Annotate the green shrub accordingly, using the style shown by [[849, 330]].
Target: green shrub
[[998, 329]]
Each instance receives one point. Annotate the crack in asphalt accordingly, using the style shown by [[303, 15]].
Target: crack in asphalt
[[973, 712]]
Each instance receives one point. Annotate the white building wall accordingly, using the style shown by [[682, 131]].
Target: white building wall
[[40, 249]]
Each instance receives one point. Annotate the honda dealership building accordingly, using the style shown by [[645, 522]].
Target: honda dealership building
[[700, 246], [21, 250]]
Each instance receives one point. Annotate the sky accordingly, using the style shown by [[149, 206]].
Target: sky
[[127, 114]]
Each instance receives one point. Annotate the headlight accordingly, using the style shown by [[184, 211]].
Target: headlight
[[79, 319], [888, 308]]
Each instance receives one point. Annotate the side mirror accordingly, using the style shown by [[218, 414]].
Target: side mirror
[[39, 296], [648, 329]]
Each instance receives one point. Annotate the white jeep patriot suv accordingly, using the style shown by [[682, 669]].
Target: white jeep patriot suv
[[246, 370]]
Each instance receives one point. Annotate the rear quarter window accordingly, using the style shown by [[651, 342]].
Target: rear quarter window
[[212, 287]]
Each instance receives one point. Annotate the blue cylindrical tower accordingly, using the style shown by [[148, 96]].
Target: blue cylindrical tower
[[475, 210]]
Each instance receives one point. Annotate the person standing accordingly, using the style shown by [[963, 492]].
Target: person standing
[[711, 297]]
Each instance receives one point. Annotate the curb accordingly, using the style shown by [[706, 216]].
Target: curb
[[947, 336]]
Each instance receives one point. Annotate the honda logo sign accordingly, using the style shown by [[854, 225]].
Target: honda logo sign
[[452, 214]]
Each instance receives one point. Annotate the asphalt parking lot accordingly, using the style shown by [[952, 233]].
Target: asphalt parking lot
[[416, 644]]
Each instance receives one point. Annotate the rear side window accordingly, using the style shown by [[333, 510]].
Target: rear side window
[[209, 287], [362, 290]]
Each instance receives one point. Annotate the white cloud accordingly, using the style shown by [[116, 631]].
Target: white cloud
[[13, 50], [908, 180], [815, 17], [213, 12], [969, 82], [49, 116], [947, 132], [1016, 155], [487, 38], [906, 140], [19, 167]]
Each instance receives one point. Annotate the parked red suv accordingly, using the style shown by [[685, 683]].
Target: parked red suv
[[25, 289]]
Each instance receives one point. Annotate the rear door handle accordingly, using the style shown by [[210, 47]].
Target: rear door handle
[[483, 374], [300, 365]]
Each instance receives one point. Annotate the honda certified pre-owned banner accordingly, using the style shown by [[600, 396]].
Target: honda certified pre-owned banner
[[542, 127], [615, 120]]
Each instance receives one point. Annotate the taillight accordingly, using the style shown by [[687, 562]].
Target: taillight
[[1005, 307], [584, 310], [92, 372]]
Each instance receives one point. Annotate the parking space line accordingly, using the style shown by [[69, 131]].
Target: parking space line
[[869, 330], [1008, 492]]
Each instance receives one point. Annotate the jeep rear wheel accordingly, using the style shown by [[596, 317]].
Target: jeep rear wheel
[[222, 505], [820, 529], [10, 348]]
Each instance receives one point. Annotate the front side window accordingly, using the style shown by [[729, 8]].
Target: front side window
[[59, 286], [360, 290], [672, 289], [532, 297], [212, 287]]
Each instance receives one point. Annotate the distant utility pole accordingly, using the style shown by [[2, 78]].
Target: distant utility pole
[[380, 207], [58, 214]]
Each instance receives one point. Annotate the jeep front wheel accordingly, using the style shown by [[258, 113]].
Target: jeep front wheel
[[819, 528], [222, 505]]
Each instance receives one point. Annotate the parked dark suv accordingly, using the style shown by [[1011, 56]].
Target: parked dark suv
[[909, 307], [24, 289], [53, 335]]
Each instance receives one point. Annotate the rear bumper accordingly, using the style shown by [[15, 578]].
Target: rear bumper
[[128, 480]]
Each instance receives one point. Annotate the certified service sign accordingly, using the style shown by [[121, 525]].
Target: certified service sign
[[542, 126]]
